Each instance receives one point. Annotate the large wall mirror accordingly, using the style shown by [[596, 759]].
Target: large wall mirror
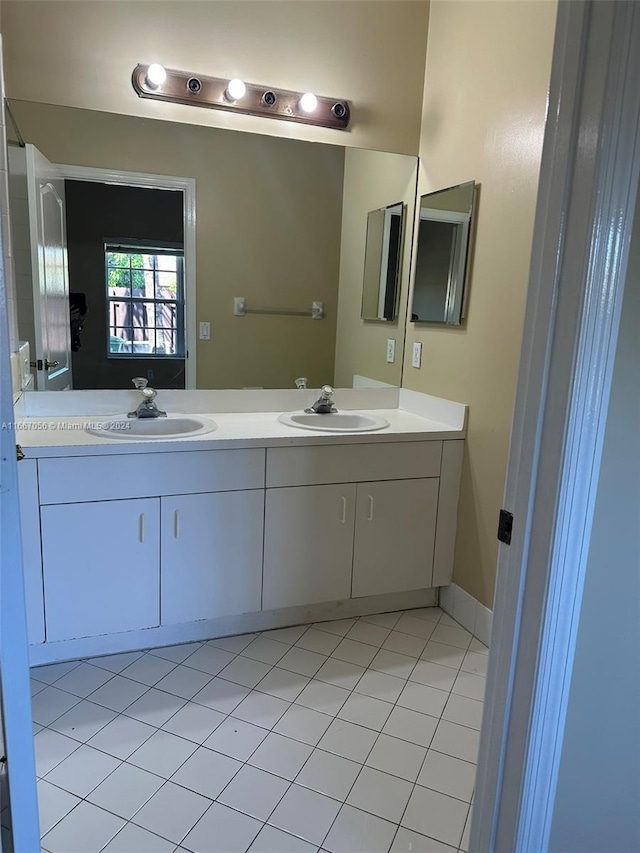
[[279, 222], [382, 263], [442, 260]]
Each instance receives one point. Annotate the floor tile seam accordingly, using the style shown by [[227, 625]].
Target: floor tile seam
[[60, 819], [464, 725], [107, 811], [55, 720], [130, 703], [430, 837], [444, 793], [238, 684], [79, 744], [264, 692], [152, 656], [86, 742], [130, 823], [237, 809], [472, 672], [448, 754], [164, 837], [76, 661], [439, 663], [189, 701], [426, 684], [154, 651], [104, 683], [400, 822], [130, 819], [84, 796], [345, 803], [193, 668], [265, 662], [368, 616], [365, 812]]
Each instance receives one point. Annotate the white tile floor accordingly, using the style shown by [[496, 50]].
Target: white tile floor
[[357, 736]]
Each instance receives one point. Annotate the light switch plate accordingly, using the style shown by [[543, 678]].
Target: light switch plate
[[205, 331], [391, 350], [416, 358]]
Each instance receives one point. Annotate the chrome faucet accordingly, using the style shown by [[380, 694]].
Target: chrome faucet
[[324, 404], [147, 408]]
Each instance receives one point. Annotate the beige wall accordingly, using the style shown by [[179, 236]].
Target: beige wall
[[371, 180], [486, 85], [81, 54], [268, 215]]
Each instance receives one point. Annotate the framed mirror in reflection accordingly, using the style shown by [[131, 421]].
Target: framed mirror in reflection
[[383, 249], [442, 259], [277, 221]]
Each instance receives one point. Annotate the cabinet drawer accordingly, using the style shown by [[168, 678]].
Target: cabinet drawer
[[352, 463], [96, 478]]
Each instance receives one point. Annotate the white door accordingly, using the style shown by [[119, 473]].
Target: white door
[[18, 802], [47, 228], [308, 545], [101, 565], [395, 536], [211, 555]]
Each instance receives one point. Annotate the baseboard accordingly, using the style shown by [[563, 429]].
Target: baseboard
[[206, 629], [468, 611]]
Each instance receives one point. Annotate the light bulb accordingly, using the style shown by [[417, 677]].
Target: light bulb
[[235, 90], [308, 102], [156, 75]]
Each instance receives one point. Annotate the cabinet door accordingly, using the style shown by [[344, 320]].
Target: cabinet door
[[211, 555], [101, 564], [395, 535], [308, 545]]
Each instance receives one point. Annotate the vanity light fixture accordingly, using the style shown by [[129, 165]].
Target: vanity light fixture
[[183, 87]]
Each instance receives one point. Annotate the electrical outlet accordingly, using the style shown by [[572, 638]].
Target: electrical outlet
[[391, 350], [416, 358], [205, 331]]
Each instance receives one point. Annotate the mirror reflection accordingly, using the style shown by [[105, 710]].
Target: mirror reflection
[[278, 222], [442, 259], [380, 289]]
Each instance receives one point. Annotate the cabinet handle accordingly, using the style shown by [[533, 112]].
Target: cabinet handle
[[176, 524], [343, 514], [370, 516], [141, 527]]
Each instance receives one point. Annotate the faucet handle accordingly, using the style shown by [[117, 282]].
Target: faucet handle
[[326, 392], [301, 382], [140, 382]]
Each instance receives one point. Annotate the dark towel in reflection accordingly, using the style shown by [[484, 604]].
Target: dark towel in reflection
[[77, 314]]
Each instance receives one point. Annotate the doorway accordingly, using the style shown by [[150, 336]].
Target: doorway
[[125, 250]]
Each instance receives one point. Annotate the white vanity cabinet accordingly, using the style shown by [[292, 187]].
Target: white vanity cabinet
[[105, 521], [211, 563], [329, 536], [138, 549], [100, 567]]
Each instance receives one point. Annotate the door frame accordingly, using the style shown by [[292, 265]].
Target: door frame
[[586, 204], [187, 186]]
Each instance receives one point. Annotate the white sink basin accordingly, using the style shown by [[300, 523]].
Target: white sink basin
[[336, 422], [173, 426]]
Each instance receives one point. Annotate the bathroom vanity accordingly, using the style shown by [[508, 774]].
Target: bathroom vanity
[[256, 525]]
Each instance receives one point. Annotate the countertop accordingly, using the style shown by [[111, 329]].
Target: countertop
[[42, 437]]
